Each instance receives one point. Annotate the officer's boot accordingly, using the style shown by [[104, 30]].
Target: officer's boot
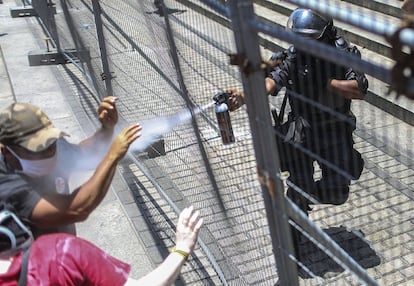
[[297, 236]]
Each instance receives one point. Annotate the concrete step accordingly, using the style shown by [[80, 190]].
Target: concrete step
[[266, 9], [387, 7]]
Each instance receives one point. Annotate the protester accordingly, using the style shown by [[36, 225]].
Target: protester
[[64, 259], [36, 162], [320, 122]]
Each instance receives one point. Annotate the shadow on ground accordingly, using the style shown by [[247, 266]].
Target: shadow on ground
[[161, 11], [320, 264]]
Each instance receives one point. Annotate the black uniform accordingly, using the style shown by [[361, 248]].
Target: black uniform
[[319, 126]]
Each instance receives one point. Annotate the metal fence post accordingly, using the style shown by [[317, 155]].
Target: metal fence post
[[267, 158], [46, 10], [106, 74]]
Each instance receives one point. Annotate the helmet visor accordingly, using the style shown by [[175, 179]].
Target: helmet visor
[[307, 23]]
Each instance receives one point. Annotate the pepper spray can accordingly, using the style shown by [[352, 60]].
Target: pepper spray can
[[223, 118]]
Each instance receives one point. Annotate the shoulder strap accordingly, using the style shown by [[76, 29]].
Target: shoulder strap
[[286, 57], [282, 108], [278, 118], [23, 270]]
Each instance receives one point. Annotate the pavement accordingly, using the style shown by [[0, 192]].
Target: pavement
[[109, 226]]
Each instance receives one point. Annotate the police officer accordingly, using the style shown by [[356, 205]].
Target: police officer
[[320, 123]]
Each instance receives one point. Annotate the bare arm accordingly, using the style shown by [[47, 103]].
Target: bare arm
[[345, 88], [188, 227], [57, 209]]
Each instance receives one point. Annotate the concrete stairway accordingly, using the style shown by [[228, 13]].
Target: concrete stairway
[[373, 47]]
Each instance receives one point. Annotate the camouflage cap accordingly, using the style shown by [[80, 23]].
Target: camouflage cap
[[28, 126]]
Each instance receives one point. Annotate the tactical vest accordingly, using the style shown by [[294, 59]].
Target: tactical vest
[[306, 80]]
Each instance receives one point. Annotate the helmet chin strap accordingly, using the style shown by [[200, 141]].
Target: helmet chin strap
[[325, 39], [329, 34]]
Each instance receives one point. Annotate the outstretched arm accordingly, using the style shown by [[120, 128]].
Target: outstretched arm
[[346, 88], [237, 99], [188, 227], [58, 209]]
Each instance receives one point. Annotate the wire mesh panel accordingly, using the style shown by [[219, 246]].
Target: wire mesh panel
[[147, 84], [349, 195], [77, 31], [204, 47], [314, 149]]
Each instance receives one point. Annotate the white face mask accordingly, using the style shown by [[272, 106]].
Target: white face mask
[[37, 168]]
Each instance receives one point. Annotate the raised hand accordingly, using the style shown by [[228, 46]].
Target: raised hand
[[188, 227], [236, 100], [124, 139], [107, 112]]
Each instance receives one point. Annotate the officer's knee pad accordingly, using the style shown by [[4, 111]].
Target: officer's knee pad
[[298, 200], [336, 195]]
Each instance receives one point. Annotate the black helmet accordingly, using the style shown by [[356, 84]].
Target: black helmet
[[309, 23]]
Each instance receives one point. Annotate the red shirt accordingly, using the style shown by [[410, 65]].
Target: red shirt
[[64, 259]]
